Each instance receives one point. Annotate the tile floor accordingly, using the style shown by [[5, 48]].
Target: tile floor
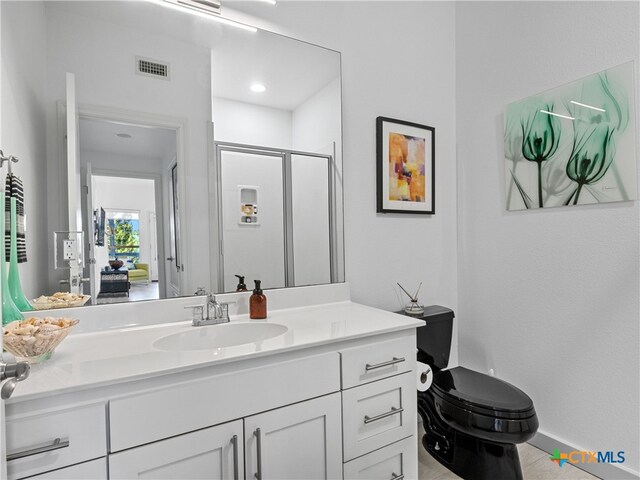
[[138, 291], [535, 466], [144, 291]]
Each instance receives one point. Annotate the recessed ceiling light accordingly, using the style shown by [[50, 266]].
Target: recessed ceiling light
[[123, 135], [258, 88], [272, 2]]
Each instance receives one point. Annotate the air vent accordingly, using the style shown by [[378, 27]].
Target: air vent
[[152, 68]]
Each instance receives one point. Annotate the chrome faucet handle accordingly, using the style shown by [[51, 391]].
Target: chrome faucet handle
[[224, 311], [197, 314]]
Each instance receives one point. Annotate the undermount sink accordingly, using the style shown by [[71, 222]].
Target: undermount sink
[[219, 336]]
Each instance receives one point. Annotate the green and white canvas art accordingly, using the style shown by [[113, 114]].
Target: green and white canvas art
[[574, 144]]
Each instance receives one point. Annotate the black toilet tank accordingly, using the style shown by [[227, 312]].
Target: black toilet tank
[[434, 338]]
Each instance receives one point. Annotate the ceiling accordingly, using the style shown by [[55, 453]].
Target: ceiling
[[292, 70], [101, 136]]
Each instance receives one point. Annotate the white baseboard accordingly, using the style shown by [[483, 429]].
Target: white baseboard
[[607, 471]]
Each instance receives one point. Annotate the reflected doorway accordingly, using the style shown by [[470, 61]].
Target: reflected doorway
[[130, 222], [128, 205]]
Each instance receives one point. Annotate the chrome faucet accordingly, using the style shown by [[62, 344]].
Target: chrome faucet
[[219, 310]]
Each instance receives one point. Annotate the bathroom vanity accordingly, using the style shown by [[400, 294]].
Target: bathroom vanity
[[330, 395]]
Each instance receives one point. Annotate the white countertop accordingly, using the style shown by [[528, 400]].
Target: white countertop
[[90, 360]]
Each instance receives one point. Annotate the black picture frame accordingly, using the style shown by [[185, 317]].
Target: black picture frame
[[408, 141]]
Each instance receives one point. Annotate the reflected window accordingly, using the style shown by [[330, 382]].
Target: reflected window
[[123, 235]]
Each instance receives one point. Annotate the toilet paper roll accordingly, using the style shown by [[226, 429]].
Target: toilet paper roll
[[424, 377]]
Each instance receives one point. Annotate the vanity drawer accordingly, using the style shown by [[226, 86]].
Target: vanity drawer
[[56, 439], [379, 360], [184, 407], [377, 414], [396, 461], [92, 470]]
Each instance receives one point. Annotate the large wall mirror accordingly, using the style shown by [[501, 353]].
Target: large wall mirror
[[187, 152]]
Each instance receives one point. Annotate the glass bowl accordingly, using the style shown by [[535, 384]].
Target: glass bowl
[[35, 339]]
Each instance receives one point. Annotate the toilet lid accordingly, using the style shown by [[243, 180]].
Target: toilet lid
[[481, 393]]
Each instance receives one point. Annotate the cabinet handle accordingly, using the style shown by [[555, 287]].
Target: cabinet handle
[[393, 411], [234, 442], [384, 364], [397, 477], [55, 445], [258, 435]]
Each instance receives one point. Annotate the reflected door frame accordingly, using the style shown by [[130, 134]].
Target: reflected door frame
[[174, 262], [157, 182], [159, 121], [216, 180]]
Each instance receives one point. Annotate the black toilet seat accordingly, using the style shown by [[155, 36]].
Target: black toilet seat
[[482, 394]]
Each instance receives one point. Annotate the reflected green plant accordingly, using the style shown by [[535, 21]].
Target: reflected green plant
[[540, 140], [591, 157]]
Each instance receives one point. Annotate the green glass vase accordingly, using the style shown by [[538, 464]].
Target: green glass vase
[[10, 312], [15, 289]]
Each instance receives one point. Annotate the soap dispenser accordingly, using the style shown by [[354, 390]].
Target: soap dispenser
[[241, 285], [257, 303]]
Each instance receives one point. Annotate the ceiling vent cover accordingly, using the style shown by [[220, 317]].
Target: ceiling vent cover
[[152, 68]]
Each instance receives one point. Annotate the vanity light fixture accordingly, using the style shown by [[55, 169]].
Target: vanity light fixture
[[557, 115], [123, 135], [257, 87], [271, 2], [194, 8], [588, 106]]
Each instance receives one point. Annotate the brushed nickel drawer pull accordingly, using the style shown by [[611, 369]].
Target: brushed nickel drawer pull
[[393, 411], [397, 477], [384, 364], [234, 442], [55, 445], [258, 435]]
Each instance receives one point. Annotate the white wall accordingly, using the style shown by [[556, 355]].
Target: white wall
[[549, 299], [398, 60], [101, 161], [241, 122], [23, 127], [104, 64], [316, 122]]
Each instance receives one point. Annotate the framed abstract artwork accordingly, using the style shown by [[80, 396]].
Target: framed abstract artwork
[[574, 144], [406, 167]]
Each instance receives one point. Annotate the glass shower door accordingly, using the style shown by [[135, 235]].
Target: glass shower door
[[253, 225], [311, 219]]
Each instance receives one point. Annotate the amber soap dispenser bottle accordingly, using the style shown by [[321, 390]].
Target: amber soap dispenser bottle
[[257, 303]]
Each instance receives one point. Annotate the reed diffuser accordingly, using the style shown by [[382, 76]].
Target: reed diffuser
[[413, 308]]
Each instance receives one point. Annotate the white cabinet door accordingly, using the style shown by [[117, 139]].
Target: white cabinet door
[[298, 442], [211, 453]]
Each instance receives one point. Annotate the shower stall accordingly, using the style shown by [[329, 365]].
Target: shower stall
[[276, 216]]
